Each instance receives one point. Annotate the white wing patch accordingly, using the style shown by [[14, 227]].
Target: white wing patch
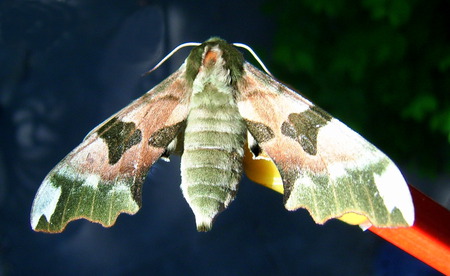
[[119, 188], [46, 200], [92, 181], [388, 184]]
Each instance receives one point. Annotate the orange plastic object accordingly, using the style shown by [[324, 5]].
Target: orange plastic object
[[429, 238]]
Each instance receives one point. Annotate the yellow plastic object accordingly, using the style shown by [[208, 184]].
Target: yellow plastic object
[[356, 219], [263, 171]]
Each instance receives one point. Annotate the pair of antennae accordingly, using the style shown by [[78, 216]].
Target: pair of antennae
[[194, 44]]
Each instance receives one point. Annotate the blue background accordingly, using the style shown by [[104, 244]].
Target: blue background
[[65, 67]]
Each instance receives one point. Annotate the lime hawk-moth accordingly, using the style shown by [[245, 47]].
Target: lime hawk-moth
[[212, 107]]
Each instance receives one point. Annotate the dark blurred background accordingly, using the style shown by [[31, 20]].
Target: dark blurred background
[[380, 66]]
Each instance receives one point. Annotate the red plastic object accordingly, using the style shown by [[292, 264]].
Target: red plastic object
[[429, 238]]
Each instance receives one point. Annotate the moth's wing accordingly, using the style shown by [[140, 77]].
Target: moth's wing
[[326, 167], [103, 176]]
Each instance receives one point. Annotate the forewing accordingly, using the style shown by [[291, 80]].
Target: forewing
[[326, 167], [103, 176]]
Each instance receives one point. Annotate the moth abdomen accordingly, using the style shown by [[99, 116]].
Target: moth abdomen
[[211, 168], [210, 179]]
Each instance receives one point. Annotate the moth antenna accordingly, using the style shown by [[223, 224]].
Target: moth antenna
[[246, 47], [187, 44]]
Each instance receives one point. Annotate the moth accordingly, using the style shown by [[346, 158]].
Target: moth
[[209, 110]]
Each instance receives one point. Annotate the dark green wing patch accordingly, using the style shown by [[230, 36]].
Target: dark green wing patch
[[162, 137], [304, 127], [321, 113], [261, 132], [119, 136]]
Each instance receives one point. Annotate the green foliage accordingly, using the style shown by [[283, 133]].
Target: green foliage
[[381, 66]]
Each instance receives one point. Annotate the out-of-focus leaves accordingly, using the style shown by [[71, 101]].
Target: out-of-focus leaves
[[381, 66], [420, 107], [330, 8], [396, 11], [444, 64]]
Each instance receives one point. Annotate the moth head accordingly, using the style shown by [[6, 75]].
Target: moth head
[[209, 53]]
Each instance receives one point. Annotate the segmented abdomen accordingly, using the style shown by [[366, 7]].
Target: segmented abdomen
[[211, 164]]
